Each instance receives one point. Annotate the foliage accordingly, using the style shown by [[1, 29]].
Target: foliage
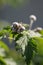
[[26, 46]]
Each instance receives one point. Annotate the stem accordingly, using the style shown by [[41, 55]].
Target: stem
[[31, 22]]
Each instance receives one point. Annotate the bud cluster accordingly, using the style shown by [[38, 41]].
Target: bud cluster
[[17, 27]]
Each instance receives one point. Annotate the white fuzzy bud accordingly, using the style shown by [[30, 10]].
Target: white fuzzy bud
[[15, 23], [38, 29], [33, 17]]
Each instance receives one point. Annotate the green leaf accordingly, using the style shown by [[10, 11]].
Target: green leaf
[[27, 46], [2, 62], [29, 51], [3, 45], [39, 41], [22, 42], [7, 28], [41, 32]]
